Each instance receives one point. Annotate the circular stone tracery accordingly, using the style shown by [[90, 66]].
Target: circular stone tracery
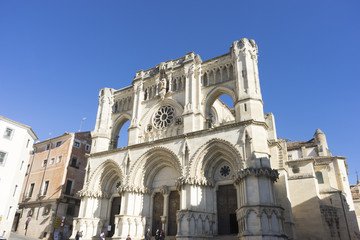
[[164, 117], [225, 171]]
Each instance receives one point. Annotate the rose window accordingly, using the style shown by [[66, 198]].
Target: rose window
[[164, 117], [225, 171]]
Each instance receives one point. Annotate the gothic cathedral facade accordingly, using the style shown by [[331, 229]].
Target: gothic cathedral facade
[[193, 166]]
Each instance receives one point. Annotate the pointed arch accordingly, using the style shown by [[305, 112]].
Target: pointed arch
[[144, 170], [178, 108], [208, 156], [105, 176], [214, 94], [117, 125]]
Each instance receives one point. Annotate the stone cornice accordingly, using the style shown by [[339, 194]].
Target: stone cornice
[[247, 99], [268, 172], [300, 176], [37, 202], [309, 159], [182, 136]]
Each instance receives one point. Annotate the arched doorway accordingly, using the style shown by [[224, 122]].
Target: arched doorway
[[226, 210]]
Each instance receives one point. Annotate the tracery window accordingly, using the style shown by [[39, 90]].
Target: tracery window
[[164, 117], [225, 171]]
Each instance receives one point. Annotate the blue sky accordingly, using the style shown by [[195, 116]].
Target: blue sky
[[56, 55]]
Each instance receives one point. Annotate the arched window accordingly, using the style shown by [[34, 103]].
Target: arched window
[[319, 177]]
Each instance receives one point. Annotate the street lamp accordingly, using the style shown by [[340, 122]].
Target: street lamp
[[83, 119]]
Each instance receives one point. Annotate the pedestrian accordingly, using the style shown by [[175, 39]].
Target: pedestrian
[[148, 234], [157, 234], [77, 237], [162, 235], [102, 236], [80, 235], [128, 237]]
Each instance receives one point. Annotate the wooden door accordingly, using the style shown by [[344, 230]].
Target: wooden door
[[115, 210], [226, 210], [174, 206], [158, 207]]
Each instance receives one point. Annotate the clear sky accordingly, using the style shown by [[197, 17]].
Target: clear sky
[[56, 55]]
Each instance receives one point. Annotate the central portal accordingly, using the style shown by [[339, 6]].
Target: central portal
[[226, 210]]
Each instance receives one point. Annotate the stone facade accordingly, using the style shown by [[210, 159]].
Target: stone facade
[[55, 174], [16, 141], [193, 166], [319, 187]]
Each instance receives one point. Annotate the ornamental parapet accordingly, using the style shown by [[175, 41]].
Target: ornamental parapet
[[133, 189], [199, 181], [267, 172], [268, 210], [93, 193], [195, 224], [270, 217]]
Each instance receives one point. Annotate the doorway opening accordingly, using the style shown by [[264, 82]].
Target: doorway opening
[[226, 210]]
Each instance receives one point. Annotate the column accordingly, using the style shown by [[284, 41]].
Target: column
[[164, 218]]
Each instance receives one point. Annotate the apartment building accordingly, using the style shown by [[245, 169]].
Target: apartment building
[[55, 173], [16, 141]]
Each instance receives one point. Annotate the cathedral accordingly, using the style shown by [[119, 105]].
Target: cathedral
[[198, 169]]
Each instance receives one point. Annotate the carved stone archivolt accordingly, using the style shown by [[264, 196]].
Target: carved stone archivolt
[[198, 161], [267, 172]]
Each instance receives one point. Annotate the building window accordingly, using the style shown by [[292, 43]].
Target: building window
[[87, 147], [22, 163], [45, 188], [15, 190], [46, 210], [319, 177], [69, 186], [74, 162], [2, 158], [8, 133], [295, 169], [30, 212], [59, 159], [77, 144], [8, 213], [58, 144], [28, 169], [52, 160], [31, 189], [27, 144], [44, 163], [70, 210], [48, 147]]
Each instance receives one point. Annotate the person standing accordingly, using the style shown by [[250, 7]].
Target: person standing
[[128, 237], [157, 234], [162, 235], [102, 236], [148, 234], [77, 237]]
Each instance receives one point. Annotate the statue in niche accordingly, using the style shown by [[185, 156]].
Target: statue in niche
[[162, 91]]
